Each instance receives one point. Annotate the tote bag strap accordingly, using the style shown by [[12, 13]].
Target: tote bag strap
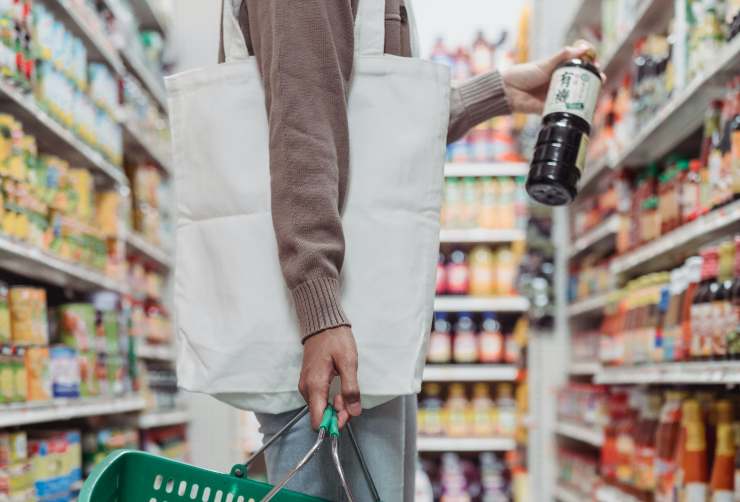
[[370, 28], [232, 38]]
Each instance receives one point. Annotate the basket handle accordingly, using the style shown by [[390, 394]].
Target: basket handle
[[330, 426]]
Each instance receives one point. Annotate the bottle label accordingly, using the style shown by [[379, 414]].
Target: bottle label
[[573, 90]]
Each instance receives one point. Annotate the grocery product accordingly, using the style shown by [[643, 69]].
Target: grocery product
[[5, 331], [64, 369], [482, 271], [38, 376], [77, 325], [486, 202], [465, 344], [440, 341], [560, 153], [458, 274], [29, 324], [490, 340]]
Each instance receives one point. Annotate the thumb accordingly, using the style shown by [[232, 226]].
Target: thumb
[[578, 49]]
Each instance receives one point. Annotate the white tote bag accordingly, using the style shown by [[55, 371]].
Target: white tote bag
[[235, 320]]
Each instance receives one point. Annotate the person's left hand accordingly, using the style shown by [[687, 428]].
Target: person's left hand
[[526, 84]]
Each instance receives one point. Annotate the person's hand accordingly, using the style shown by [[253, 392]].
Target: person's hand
[[526, 84], [328, 354]]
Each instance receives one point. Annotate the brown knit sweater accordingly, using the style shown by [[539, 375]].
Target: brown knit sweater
[[305, 51]]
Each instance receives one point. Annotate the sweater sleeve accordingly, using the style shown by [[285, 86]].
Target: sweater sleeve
[[474, 101], [305, 50]]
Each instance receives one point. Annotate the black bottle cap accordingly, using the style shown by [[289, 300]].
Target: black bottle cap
[[552, 184]]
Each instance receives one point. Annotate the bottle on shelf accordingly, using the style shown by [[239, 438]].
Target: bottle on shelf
[[505, 409], [431, 413], [465, 344], [694, 465], [441, 281], [482, 271], [482, 410], [440, 341], [457, 411], [722, 480], [560, 152], [458, 274], [701, 347], [490, 340]]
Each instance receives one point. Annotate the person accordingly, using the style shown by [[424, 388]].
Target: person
[[304, 50]]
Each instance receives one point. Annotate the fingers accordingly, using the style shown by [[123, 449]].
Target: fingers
[[342, 413], [350, 389], [315, 391]]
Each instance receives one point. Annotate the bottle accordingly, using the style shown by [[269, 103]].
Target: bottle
[[441, 282], [701, 306], [723, 469], [482, 407], [440, 341], [646, 442], [465, 345], [470, 190], [490, 340], [482, 58], [507, 203], [694, 465], [440, 53], [667, 442], [452, 213], [694, 266], [482, 271], [488, 215], [431, 404], [560, 152], [733, 338], [505, 410], [458, 274], [456, 409]]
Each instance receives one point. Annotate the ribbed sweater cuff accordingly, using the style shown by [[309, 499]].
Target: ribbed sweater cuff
[[484, 97], [318, 306]]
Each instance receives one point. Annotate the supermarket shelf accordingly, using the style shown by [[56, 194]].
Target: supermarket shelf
[[52, 137], [684, 113], [603, 231], [481, 304], [593, 304], [78, 18], [650, 18], [588, 12], [149, 16], [140, 146], [696, 373], [613, 494], [470, 373], [564, 494], [677, 245], [155, 419], [484, 235], [66, 409], [152, 83], [584, 369], [433, 444], [589, 435], [477, 169], [23, 259], [156, 352], [141, 246]]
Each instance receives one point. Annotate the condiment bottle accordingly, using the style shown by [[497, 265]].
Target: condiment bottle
[[458, 274], [694, 465], [488, 214], [482, 406], [723, 468], [646, 442], [694, 266], [733, 338], [465, 345], [560, 152], [431, 404], [453, 204], [441, 282], [490, 340], [506, 409], [482, 271], [457, 413], [701, 306], [440, 341], [470, 202], [667, 442]]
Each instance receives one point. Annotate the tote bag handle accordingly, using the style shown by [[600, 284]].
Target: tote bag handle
[[369, 30]]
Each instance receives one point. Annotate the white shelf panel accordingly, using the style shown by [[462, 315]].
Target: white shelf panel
[[80, 20], [441, 444], [149, 16], [589, 435], [67, 409], [651, 17], [155, 419], [156, 352], [606, 229], [584, 368], [470, 373], [565, 494], [153, 253], [141, 146], [23, 259], [481, 304], [482, 235], [672, 248], [613, 494], [694, 373], [587, 12], [52, 137], [152, 83], [684, 113], [477, 169], [593, 304]]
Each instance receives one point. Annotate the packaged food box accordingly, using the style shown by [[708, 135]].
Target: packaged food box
[[20, 375], [77, 325], [88, 377], [38, 374], [5, 333], [65, 371], [28, 318]]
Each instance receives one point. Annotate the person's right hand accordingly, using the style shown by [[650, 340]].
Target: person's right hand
[[328, 354]]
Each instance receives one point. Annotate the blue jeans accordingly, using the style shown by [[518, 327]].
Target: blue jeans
[[386, 435]]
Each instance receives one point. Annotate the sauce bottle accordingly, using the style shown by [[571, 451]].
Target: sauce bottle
[[482, 406], [440, 341], [723, 469], [465, 345], [646, 442], [456, 409], [453, 206], [694, 452], [441, 282], [700, 308], [506, 409], [490, 340], [733, 338], [482, 271], [458, 274], [560, 152], [487, 216], [694, 266], [431, 404], [470, 202], [666, 443]]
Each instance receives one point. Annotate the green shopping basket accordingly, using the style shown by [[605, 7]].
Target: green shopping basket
[[135, 476]]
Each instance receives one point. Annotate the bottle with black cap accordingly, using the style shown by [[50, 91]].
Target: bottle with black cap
[[560, 152]]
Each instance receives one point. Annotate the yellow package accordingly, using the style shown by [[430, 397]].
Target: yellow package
[[38, 377], [28, 318]]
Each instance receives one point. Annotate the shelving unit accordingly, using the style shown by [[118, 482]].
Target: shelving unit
[[67, 409], [464, 444], [480, 235], [481, 304], [584, 368], [565, 494], [605, 230], [572, 430], [689, 373], [163, 419], [141, 246], [156, 352], [139, 145], [588, 305], [477, 169], [470, 373], [153, 84]]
